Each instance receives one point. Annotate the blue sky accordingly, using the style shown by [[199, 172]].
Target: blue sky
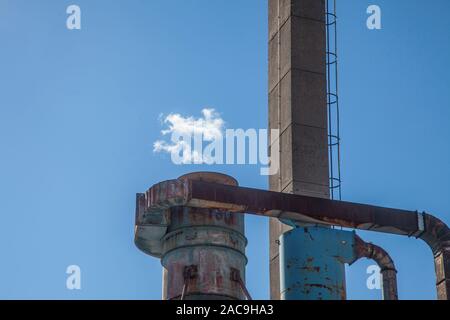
[[79, 114]]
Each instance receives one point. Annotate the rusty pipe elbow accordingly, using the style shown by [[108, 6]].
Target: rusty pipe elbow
[[384, 261], [374, 252], [435, 232], [437, 235]]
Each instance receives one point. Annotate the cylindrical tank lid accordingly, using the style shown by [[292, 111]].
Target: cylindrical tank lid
[[212, 177]]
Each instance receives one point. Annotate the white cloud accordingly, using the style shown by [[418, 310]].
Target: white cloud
[[209, 126]]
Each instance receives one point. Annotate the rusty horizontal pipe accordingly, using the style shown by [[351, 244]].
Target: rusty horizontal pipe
[[381, 257], [298, 208], [303, 209]]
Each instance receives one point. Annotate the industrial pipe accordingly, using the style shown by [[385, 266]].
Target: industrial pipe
[[303, 209], [437, 235], [312, 263], [202, 250], [381, 257]]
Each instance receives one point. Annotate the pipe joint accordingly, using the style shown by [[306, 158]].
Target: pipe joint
[[436, 233], [384, 261]]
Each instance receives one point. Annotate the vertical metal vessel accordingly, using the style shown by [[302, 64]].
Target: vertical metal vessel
[[203, 251], [312, 263]]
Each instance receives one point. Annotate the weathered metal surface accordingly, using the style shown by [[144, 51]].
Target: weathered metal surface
[[214, 273], [384, 261], [207, 240], [312, 263], [150, 230], [305, 209], [435, 232], [302, 209], [442, 264]]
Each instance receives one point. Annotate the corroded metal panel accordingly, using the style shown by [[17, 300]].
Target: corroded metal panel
[[442, 264], [312, 263], [211, 240], [202, 250]]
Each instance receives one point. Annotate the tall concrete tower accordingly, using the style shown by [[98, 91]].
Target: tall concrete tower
[[297, 107]]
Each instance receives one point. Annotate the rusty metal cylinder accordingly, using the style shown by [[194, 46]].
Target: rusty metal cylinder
[[312, 263], [203, 252]]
